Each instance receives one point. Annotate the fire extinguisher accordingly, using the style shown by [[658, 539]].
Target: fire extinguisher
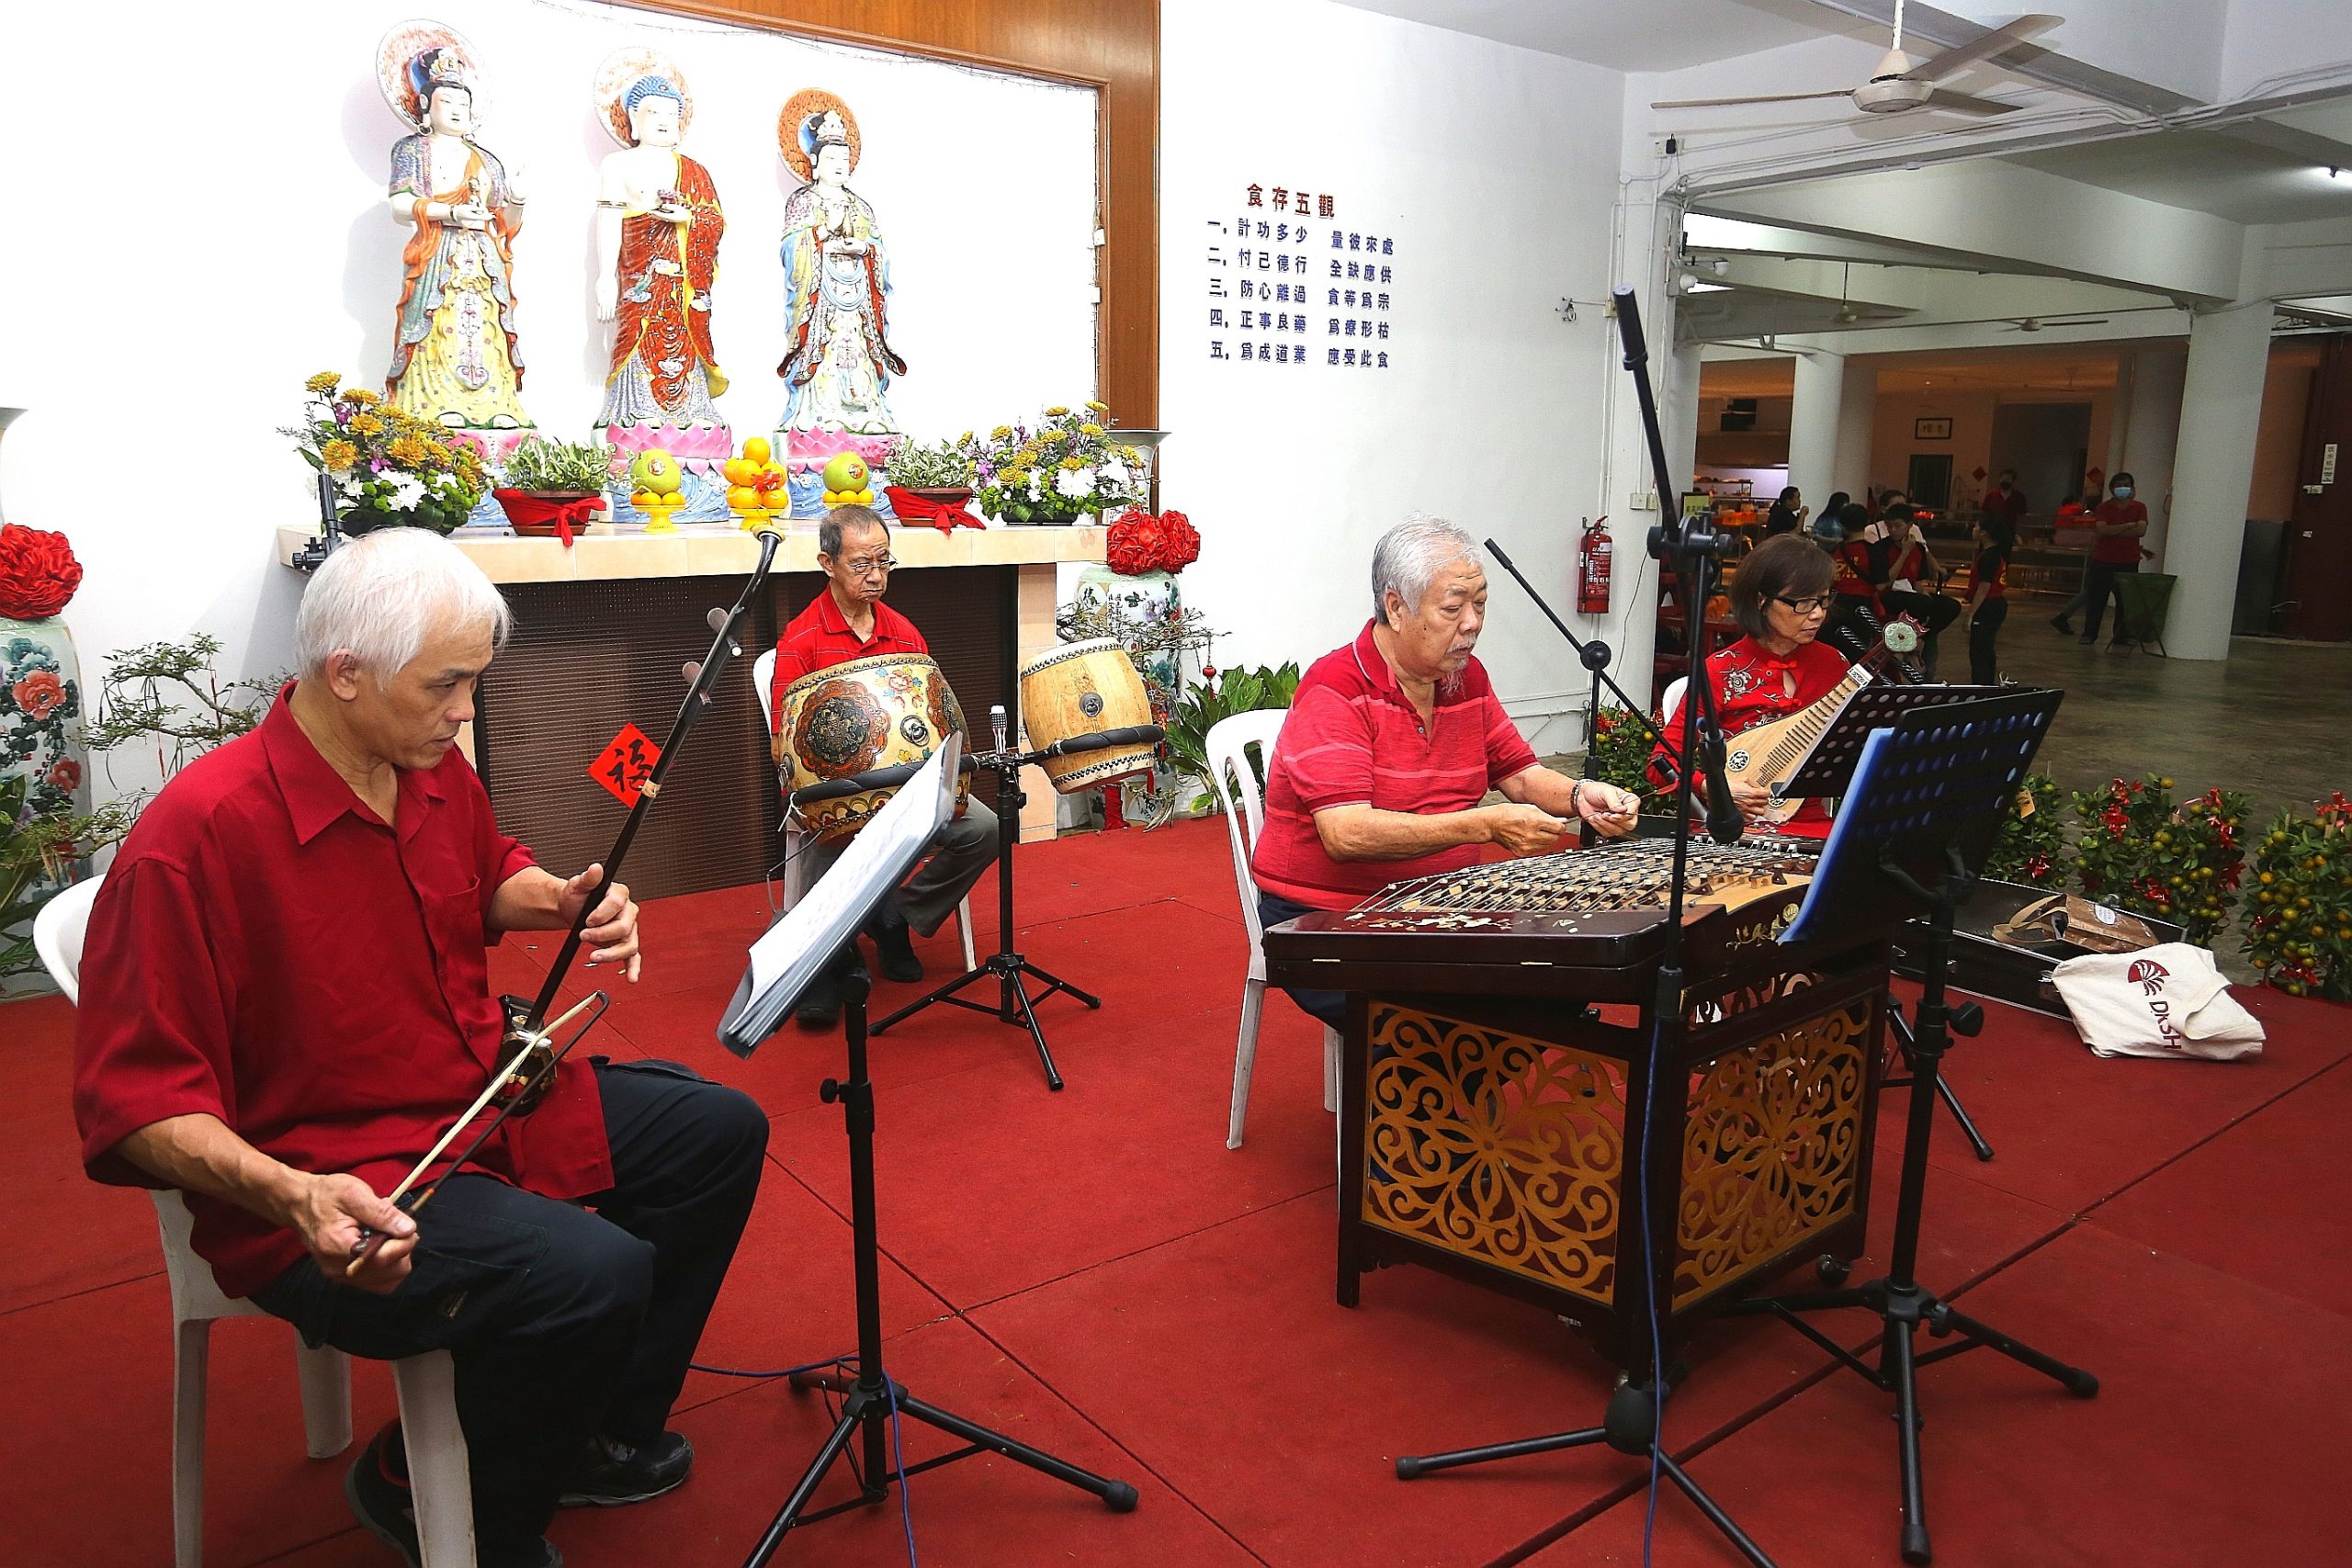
[[1593, 551]]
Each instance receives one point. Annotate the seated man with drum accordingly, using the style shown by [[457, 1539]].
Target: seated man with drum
[[848, 622], [1392, 742]]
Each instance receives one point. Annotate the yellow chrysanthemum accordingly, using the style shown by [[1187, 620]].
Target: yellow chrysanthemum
[[366, 424], [1091, 432], [1056, 412], [1001, 433], [360, 398], [406, 450], [1012, 479], [338, 454], [1074, 464], [1129, 454], [965, 439], [1098, 408], [325, 381]]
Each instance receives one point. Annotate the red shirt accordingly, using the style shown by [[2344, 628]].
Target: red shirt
[[1353, 740], [1851, 560], [819, 638], [2119, 549], [1990, 567], [1752, 687], [265, 950]]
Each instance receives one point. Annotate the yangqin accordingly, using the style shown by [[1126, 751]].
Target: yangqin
[[1490, 1120]]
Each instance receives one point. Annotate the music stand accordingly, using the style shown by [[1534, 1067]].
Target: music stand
[[809, 936], [1917, 824]]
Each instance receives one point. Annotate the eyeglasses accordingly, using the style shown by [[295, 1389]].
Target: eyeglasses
[[865, 566], [1818, 603]]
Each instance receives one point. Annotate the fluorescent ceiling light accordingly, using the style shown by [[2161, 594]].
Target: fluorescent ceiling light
[[1696, 286]]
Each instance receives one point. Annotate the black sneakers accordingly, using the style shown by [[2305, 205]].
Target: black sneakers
[[895, 949], [377, 1489], [820, 1004], [618, 1472]]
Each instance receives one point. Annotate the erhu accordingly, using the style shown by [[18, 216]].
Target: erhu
[[529, 1047]]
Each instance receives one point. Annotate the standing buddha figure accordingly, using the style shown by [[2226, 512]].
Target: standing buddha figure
[[658, 227], [454, 360]]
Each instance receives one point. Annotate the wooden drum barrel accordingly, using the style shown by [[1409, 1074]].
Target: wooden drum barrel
[[1080, 688], [869, 723]]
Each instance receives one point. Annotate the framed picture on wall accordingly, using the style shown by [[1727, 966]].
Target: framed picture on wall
[[1931, 429]]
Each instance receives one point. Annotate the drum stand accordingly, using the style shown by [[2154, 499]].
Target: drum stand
[[1014, 1004]]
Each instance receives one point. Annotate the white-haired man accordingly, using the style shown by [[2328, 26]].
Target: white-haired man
[[286, 1000], [1392, 742]]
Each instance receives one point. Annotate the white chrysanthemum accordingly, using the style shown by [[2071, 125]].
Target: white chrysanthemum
[[1075, 483], [407, 490], [1114, 475]]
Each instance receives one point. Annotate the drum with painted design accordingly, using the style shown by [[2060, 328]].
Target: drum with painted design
[[850, 734]]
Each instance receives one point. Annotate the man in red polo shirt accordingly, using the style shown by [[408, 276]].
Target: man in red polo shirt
[[285, 1001], [2117, 528], [1392, 742], [850, 621]]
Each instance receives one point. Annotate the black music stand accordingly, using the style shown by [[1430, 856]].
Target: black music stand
[[1013, 1004], [1920, 818], [1825, 770], [810, 935]]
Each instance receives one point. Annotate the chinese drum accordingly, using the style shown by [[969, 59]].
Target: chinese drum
[[1080, 688], [852, 733]]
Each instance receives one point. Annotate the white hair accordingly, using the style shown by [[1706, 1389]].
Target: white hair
[[380, 595], [1410, 557]]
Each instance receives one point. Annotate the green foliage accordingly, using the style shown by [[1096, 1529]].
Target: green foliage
[[541, 464], [1218, 698], [2135, 851], [944, 467], [1617, 750], [2301, 937], [2031, 849], [38, 849]]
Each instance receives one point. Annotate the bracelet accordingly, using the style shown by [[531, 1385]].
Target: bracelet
[[1576, 794]]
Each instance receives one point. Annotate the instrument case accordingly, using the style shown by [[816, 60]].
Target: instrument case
[[2009, 971]]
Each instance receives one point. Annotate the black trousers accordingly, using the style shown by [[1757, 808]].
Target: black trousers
[[563, 1324], [2098, 584], [1330, 1006], [1852, 628], [1983, 669]]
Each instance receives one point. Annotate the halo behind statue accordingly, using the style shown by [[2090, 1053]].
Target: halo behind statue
[[620, 71], [795, 129], [402, 43]]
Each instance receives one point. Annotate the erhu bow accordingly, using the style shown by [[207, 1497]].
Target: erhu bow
[[529, 1047]]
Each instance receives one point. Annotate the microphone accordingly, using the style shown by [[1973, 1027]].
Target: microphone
[[1724, 824], [996, 722], [1100, 740]]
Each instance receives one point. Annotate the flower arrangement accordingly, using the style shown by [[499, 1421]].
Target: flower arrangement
[[1065, 469], [2301, 937], [566, 466], [37, 572], [390, 469], [2136, 852], [948, 465], [2031, 849], [1140, 542]]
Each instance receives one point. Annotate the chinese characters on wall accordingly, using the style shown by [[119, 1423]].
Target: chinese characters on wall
[[1289, 283]]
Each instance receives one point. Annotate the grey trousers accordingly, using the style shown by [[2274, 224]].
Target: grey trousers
[[960, 851]]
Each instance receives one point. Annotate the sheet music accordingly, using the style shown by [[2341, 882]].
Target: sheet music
[[882, 853]]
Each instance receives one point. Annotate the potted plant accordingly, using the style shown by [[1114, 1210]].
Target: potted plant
[[389, 469], [2137, 851], [551, 486], [2300, 936], [1067, 469], [940, 474], [1215, 698]]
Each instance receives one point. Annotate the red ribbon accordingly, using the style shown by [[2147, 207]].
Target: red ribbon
[[522, 506], [944, 516]]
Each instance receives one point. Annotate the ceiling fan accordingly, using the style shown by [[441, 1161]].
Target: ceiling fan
[[2035, 324], [1899, 83]]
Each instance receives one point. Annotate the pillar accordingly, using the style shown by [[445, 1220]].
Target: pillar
[[2152, 433], [1857, 428], [2213, 468], [1813, 419]]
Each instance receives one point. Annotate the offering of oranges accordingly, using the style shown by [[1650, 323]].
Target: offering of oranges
[[756, 489]]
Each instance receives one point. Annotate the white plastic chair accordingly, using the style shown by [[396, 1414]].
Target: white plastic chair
[[1237, 792], [795, 871], [440, 1489], [1672, 703]]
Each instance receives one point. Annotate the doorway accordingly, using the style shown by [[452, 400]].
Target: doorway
[[1928, 484], [2048, 445]]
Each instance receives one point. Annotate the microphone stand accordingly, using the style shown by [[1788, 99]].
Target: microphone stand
[[1595, 655], [1690, 548]]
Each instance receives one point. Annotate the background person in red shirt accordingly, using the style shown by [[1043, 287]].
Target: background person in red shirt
[[850, 621], [286, 1001], [2119, 522], [1988, 596], [1393, 740], [1856, 616]]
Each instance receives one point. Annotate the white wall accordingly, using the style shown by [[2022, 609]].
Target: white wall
[[1495, 169], [187, 276]]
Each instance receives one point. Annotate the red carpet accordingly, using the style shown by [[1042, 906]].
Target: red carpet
[[1094, 1272]]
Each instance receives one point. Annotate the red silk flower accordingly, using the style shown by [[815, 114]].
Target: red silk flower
[[37, 572], [1134, 545], [1181, 542]]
